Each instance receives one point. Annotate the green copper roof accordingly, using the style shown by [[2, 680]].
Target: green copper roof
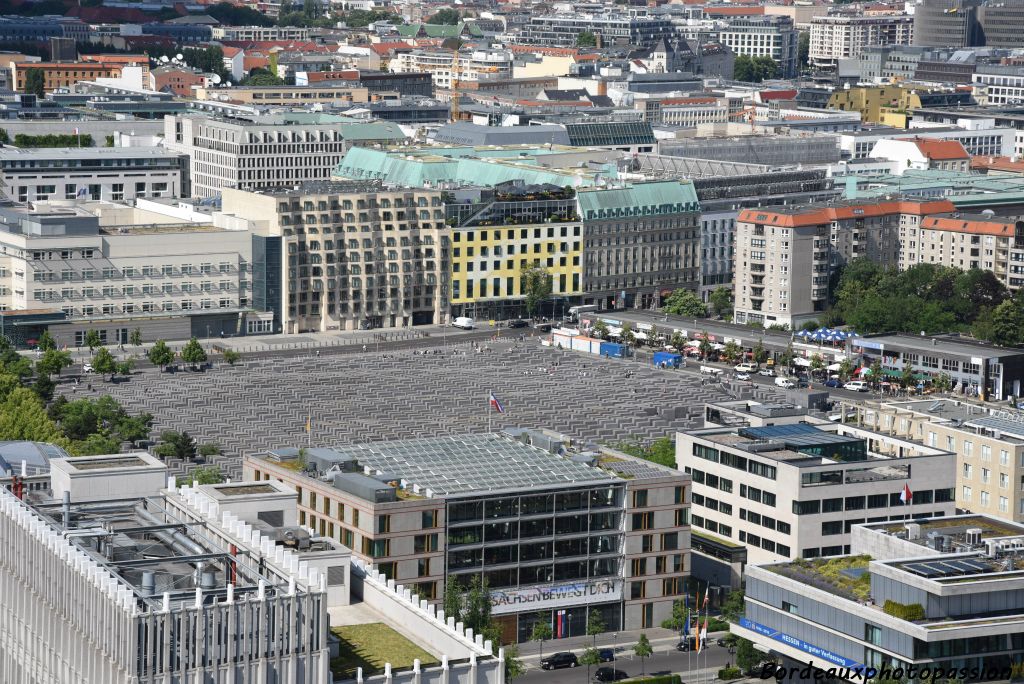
[[663, 197], [432, 30]]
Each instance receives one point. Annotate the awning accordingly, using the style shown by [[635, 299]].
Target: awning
[[834, 366], [639, 335], [798, 361]]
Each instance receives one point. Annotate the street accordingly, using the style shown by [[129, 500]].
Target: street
[[665, 660]]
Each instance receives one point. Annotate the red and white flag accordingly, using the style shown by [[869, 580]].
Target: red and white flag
[[906, 495]]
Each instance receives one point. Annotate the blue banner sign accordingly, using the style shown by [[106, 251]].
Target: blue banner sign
[[810, 649]]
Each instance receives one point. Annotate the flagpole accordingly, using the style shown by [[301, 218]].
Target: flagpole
[[488, 405]]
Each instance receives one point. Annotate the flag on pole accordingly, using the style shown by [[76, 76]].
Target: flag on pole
[[696, 637], [906, 495], [707, 595], [495, 404], [704, 633]]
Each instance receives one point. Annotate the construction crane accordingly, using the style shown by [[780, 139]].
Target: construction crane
[[453, 108]]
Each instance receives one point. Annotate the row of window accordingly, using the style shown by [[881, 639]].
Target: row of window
[[764, 543], [857, 503], [734, 461]]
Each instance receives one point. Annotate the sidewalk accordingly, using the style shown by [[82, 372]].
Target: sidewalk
[[662, 640]]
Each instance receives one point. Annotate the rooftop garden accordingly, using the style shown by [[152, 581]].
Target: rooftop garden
[[989, 527], [372, 645], [832, 575]]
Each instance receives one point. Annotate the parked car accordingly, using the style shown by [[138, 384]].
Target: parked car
[[606, 655], [687, 644], [87, 368], [766, 372], [518, 323], [543, 327], [557, 660], [609, 674], [745, 368], [740, 375], [833, 382], [727, 640], [711, 370], [785, 383], [856, 386]]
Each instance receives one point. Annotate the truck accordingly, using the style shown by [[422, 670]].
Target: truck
[[464, 322], [665, 359], [575, 311]]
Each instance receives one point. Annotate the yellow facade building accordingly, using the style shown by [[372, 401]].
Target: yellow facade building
[[891, 105]]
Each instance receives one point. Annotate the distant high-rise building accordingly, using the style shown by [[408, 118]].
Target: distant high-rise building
[[967, 23]]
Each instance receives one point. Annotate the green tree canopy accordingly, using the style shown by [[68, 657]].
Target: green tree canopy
[[452, 599], [193, 353], [174, 444], [92, 339], [586, 39], [643, 651], [135, 339], [535, 284], [160, 354], [447, 16], [53, 361], [754, 69], [685, 302], [46, 341], [721, 301], [103, 362], [97, 444], [23, 417]]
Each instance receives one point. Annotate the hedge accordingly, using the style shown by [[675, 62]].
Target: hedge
[[727, 673], [909, 612]]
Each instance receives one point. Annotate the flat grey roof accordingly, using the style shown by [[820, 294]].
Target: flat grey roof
[[472, 463], [84, 152], [941, 346]]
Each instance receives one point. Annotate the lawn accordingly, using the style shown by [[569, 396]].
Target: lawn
[[370, 646]]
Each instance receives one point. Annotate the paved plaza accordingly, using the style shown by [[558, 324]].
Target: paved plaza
[[259, 405]]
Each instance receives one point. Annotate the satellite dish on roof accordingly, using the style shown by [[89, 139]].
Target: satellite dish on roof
[[179, 56], [216, 79], [165, 59]]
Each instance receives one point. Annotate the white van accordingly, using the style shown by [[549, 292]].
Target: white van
[[784, 383], [856, 386], [463, 322]]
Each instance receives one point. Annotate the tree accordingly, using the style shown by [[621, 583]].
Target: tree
[[786, 358], [193, 353], [845, 369], [733, 606], [97, 444], [678, 341], [260, 77], [760, 353], [103, 362], [590, 657], [478, 605], [135, 428], [942, 383], [600, 329], [684, 302], [754, 69], [53, 361], [175, 444], [535, 284], [135, 338], [209, 449], [44, 387], [876, 372], [705, 347], [747, 657], [678, 620], [643, 651], [513, 665], [586, 39], [732, 352], [721, 301], [627, 335], [23, 417], [358, 18], [452, 599], [445, 16], [125, 367], [160, 354], [541, 632], [595, 626], [35, 82], [817, 363], [205, 475], [1007, 324], [232, 357], [92, 339], [46, 341]]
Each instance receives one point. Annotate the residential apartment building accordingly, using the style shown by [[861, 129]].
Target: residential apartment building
[[786, 256], [553, 535], [641, 242], [794, 488], [845, 37], [470, 67], [260, 33], [891, 105], [96, 173], [979, 138], [690, 112], [113, 268], [919, 154], [988, 443], [354, 255], [966, 241], [285, 95], [62, 74], [936, 595], [267, 150], [498, 233], [1001, 85], [636, 28], [764, 36]]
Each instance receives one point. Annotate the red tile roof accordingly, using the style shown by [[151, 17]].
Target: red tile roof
[[958, 224], [997, 164], [769, 95], [940, 149], [816, 215]]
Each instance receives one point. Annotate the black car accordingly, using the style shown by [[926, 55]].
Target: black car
[[518, 323], [543, 327], [688, 644], [727, 640], [609, 674], [557, 660], [606, 655]]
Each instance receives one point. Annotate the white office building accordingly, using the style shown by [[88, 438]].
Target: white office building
[[471, 66], [845, 37], [792, 487], [97, 173], [765, 36]]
